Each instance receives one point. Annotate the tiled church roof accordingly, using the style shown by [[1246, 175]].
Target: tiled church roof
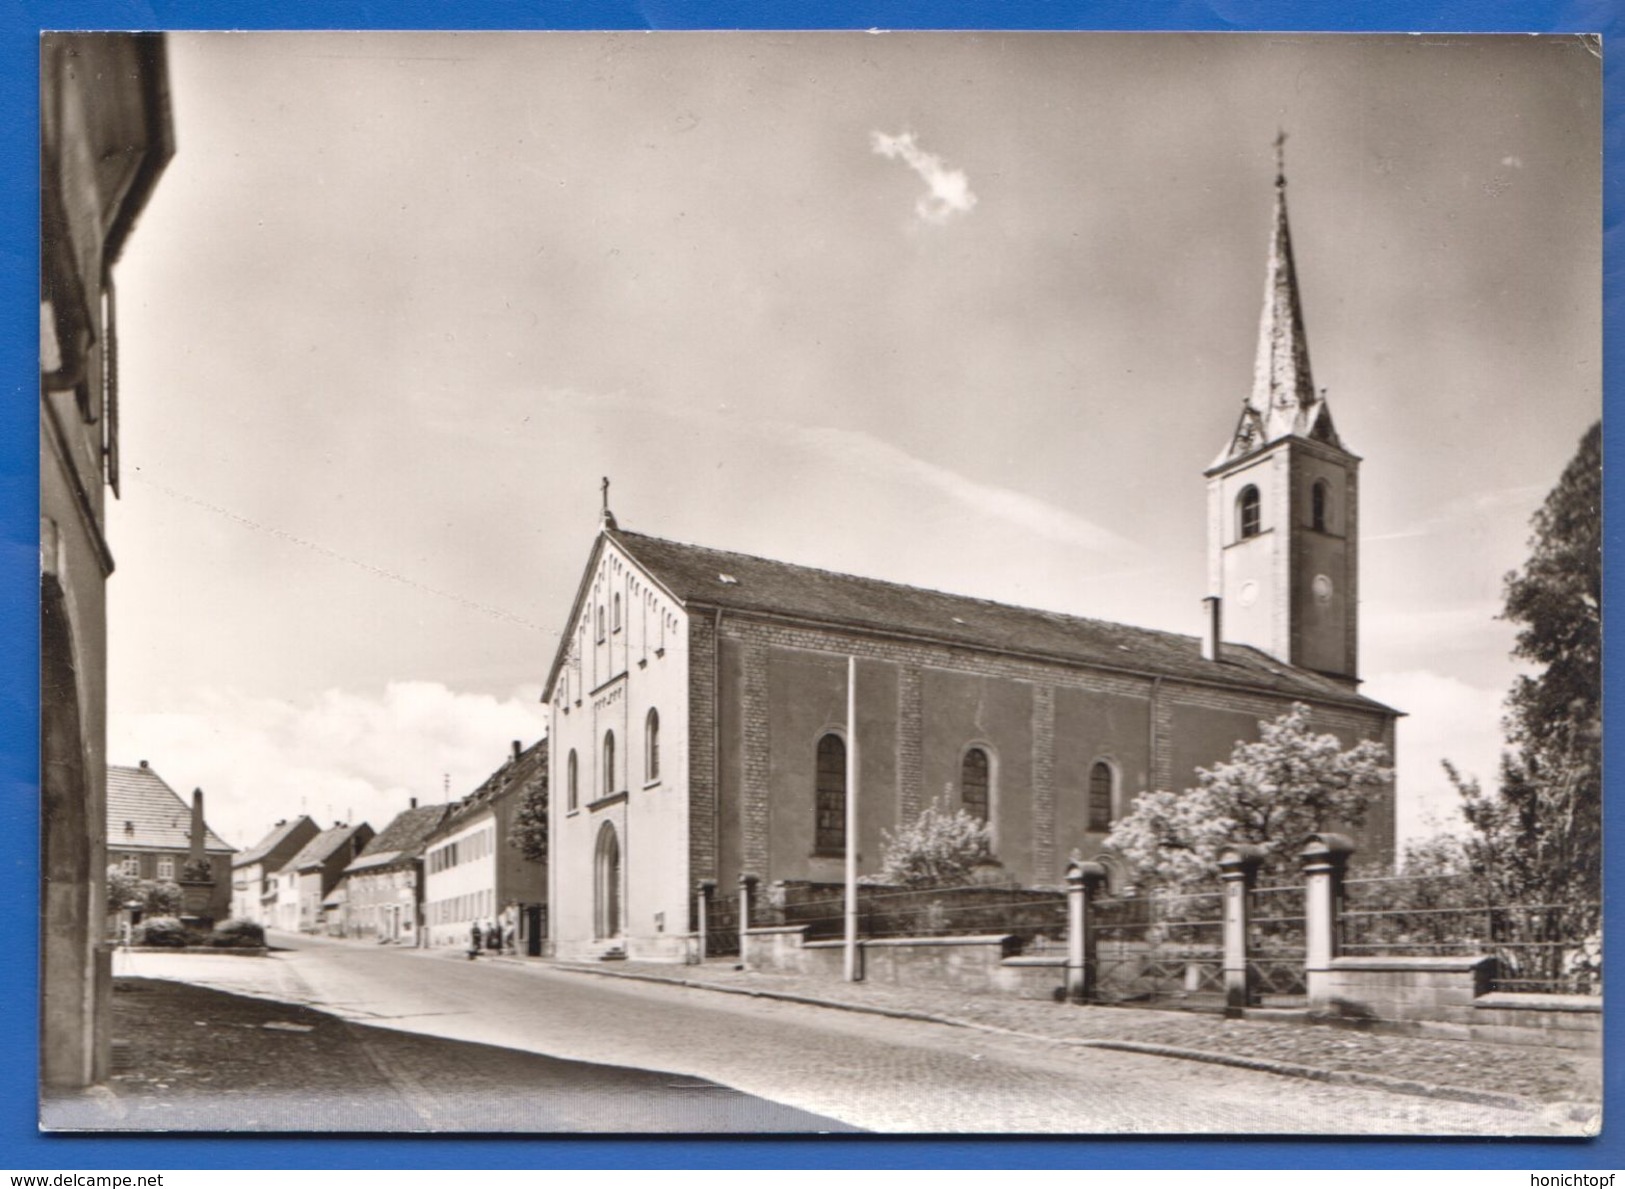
[[142, 810], [739, 582]]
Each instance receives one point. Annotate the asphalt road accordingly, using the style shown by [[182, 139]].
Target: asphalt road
[[868, 1072]]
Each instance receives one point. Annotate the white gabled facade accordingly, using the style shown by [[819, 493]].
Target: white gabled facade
[[460, 879], [618, 700]]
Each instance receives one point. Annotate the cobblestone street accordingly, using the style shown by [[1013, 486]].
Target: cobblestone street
[[1529, 1071], [866, 1070]]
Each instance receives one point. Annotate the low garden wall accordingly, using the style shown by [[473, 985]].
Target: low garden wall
[[976, 965], [1451, 996]]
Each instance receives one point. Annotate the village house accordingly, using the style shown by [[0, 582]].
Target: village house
[[282, 898], [153, 834], [309, 877], [473, 873], [698, 697], [383, 885], [253, 872]]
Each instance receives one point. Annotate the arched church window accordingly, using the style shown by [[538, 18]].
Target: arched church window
[[600, 623], [616, 622], [1319, 498], [973, 784], [829, 835], [571, 783], [609, 763], [1101, 782], [1248, 515], [651, 746]]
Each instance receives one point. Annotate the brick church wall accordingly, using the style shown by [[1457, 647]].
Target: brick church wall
[[781, 685]]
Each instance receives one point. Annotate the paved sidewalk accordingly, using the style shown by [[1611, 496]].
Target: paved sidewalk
[[189, 1058], [1469, 1070]]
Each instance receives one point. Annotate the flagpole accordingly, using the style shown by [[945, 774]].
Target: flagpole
[[851, 962]]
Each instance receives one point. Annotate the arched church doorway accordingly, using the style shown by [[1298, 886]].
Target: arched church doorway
[[607, 884]]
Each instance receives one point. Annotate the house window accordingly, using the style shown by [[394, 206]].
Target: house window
[[166, 867], [651, 745], [132, 865], [609, 762], [1319, 496], [572, 788], [1248, 517], [830, 828], [973, 784], [1101, 782]]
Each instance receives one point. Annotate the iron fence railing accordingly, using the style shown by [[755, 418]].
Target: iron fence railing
[[1541, 948], [1275, 942]]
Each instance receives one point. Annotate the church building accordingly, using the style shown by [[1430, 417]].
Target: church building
[[698, 698]]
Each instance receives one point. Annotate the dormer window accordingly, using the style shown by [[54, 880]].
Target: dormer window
[[1249, 518]]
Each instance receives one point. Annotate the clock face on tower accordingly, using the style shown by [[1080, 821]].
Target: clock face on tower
[[1248, 594], [1322, 587]]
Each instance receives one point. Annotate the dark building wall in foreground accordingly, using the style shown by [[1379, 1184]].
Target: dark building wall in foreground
[[104, 138]]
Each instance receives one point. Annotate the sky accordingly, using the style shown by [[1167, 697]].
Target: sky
[[970, 312]]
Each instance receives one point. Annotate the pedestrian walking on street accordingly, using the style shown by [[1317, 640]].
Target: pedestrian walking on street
[[475, 940], [510, 930], [493, 937]]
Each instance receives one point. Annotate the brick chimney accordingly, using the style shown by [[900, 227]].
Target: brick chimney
[[1212, 628]]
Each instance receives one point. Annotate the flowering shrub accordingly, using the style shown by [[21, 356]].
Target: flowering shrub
[[237, 934], [938, 849], [165, 931]]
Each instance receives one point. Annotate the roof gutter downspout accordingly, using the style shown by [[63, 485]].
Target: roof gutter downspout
[[1151, 751]]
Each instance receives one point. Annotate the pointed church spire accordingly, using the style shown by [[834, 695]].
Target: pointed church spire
[[1283, 401], [1281, 382]]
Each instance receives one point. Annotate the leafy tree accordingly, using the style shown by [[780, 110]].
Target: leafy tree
[[528, 833], [122, 888], [1538, 836], [938, 849], [1273, 793], [156, 897], [163, 897]]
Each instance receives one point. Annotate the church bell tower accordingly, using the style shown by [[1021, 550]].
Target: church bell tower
[[1283, 497]]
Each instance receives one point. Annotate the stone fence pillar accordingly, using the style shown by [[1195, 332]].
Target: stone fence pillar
[[1324, 858], [1083, 884], [747, 886], [1238, 871], [702, 909]]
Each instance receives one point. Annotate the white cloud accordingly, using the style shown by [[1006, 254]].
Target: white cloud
[[1498, 506], [1448, 719], [948, 190], [339, 754], [876, 458], [845, 455]]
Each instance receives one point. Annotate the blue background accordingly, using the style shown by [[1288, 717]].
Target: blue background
[[23, 1148]]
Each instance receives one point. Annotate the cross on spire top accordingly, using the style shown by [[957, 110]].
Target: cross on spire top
[[1280, 156], [606, 518]]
